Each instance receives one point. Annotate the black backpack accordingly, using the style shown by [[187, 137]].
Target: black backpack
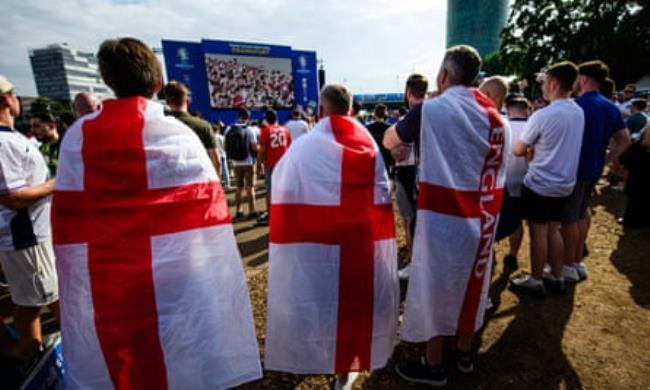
[[236, 147]]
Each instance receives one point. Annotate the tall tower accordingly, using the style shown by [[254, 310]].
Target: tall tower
[[477, 23]]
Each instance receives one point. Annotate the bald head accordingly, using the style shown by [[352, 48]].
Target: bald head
[[496, 88], [85, 103]]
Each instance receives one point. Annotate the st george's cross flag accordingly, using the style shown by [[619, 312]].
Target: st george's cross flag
[[152, 289], [333, 290], [462, 153]]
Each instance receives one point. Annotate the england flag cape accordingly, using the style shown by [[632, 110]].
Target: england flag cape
[[152, 289], [333, 290], [463, 141]]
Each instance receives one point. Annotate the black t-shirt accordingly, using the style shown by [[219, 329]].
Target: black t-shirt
[[408, 129], [377, 130]]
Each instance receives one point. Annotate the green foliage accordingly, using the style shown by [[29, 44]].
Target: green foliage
[[46, 105], [493, 64], [541, 32]]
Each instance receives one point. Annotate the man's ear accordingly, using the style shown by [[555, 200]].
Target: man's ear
[[157, 88], [442, 79]]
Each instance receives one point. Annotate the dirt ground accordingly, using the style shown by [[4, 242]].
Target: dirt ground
[[597, 336]]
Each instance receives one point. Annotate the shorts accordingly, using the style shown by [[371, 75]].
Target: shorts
[[578, 203], [541, 209], [31, 275], [244, 177], [267, 180], [510, 217], [405, 191]]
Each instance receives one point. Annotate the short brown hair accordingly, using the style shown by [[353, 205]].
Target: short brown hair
[[640, 104], [608, 88], [129, 67], [45, 117], [381, 111], [565, 73], [462, 63], [518, 103], [417, 84], [175, 93], [596, 70], [339, 97]]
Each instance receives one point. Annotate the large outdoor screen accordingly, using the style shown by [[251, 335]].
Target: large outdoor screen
[[250, 82]]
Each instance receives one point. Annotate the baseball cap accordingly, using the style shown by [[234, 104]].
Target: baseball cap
[[5, 85]]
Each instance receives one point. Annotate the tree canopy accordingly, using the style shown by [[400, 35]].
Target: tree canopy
[[541, 32]]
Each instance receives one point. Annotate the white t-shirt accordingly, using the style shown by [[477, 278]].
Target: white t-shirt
[[22, 165], [221, 144], [516, 166], [624, 108], [297, 127], [556, 133]]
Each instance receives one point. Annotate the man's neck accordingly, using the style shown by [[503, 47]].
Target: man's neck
[[6, 119], [560, 96], [518, 116], [182, 108], [586, 90]]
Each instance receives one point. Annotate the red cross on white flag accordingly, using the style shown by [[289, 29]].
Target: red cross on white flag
[[153, 294], [333, 290]]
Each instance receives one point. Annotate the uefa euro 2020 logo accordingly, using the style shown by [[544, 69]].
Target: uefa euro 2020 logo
[[183, 55], [183, 58]]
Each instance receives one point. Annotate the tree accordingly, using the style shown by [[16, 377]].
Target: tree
[[541, 32], [46, 105], [493, 64]]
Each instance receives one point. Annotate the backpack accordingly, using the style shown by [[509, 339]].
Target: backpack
[[236, 146]]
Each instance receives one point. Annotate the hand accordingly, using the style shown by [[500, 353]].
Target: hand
[[530, 153], [401, 152], [49, 185]]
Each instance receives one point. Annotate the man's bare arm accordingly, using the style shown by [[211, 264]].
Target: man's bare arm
[[26, 196], [216, 160], [520, 149], [391, 139], [622, 141]]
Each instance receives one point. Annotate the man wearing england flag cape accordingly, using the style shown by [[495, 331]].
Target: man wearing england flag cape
[[152, 289], [333, 290], [462, 142]]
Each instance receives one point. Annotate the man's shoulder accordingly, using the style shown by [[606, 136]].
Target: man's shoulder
[[194, 122], [174, 125], [539, 115], [14, 141]]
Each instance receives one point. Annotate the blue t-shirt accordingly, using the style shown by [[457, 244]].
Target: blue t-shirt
[[602, 119]]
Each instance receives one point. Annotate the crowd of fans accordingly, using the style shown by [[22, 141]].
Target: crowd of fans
[[235, 84], [562, 136]]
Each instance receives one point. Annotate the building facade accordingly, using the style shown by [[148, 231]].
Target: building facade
[[477, 23], [61, 72]]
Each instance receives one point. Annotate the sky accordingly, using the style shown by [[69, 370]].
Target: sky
[[369, 45]]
